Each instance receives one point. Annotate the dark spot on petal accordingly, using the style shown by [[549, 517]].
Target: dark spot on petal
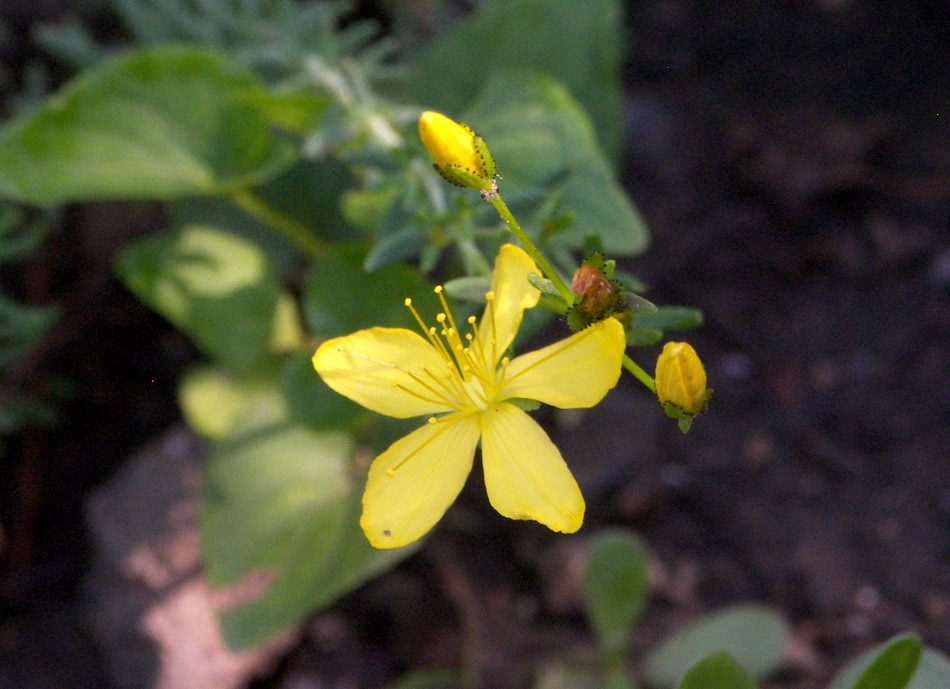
[[387, 532]]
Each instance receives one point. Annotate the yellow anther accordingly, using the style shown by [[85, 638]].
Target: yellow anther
[[505, 360], [390, 473], [438, 289], [440, 318], [471, 320], [432, 420], [489, 296], [408, 301]]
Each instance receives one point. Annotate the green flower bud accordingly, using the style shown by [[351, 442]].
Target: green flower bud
[[460, 155], [681, 383]]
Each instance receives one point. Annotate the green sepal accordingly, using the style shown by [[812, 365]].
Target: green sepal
[[686, 420], [578, 320], [597, 261], [461, 177], [488, 160]]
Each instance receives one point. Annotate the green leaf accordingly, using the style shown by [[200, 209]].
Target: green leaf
[[615, 585], [576, 42], [309, 400], [471, 289], [670, 318], [159, 123], [718, 671], [643, 337], [752, 634], [216, 287], [896, 665], [540, 137], [280, 526], [340, 297], [214, 401]]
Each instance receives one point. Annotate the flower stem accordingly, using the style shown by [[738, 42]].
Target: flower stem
[[293, 231], [638, 372], [566, 294], [499, 203]]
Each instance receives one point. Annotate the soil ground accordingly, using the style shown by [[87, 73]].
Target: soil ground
[[793, 162]]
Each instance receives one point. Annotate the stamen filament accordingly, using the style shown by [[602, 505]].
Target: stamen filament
[[567, 344], [449, 402], [422, 397], [392, 471]]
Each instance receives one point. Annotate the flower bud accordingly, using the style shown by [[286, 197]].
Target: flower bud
[[598, 297], [681, 382], [460, 155]]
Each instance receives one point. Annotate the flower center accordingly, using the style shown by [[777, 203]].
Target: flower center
[[470, 380]]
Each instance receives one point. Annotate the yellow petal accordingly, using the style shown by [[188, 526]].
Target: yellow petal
[[513, 294], [368, 365], [525, 475], [681, 378], [449, 143], [429, 466], [574, 373]]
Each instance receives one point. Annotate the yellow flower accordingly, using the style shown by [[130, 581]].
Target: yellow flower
[[466, 386], [681, 380], [460, 155]]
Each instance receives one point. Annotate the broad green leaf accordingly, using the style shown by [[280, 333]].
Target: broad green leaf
[[157, 123], [215, 401], [897, 664], [308, 193], [340, 297], [615, 585], [216, 287], [576, 42], [541, 138], [752, 634], [280, 529], [310, 401], [718, 671]]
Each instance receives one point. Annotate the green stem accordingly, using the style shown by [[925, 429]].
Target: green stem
[[566, 294], [552, 275], [638, 372], [293, 231]]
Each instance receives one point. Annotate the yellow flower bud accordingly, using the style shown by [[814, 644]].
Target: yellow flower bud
[[460, 155], [681, 381]]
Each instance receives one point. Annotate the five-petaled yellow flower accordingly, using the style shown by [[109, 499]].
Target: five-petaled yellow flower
[[465, 384]]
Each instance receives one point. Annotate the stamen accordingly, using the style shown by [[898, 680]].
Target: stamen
[[445, 305], [423, 397], [570, 342], [430, 332], [504, 369], [490, 310], [392, 471]]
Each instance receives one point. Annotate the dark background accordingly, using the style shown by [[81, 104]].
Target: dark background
[[792, 160]]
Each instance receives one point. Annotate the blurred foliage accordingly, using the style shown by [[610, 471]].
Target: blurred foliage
[[24, 400], [301, 206]]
